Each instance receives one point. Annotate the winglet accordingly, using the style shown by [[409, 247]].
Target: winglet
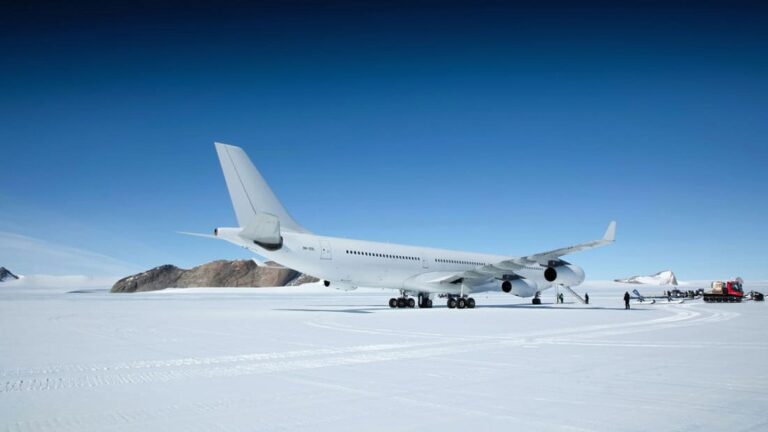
[[610, 233]]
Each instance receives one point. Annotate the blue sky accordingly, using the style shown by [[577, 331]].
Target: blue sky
[[495, 128]]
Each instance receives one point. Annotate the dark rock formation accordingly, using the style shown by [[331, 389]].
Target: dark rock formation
[[222, 273], [6, 275], [302, 279]]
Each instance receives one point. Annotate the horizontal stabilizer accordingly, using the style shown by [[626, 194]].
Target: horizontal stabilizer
[[196, 234]]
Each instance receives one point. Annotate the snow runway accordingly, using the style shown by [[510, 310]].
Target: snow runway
[[314, 359]]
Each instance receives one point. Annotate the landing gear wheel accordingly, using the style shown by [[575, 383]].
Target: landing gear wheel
[[401, 302], [422, 301], [429, 303], [411, 303], [393, 303], [536, 301], [451, 303], [471, 303], [462, 303]]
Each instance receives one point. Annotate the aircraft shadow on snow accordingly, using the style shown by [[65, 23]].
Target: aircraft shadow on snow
[[552, 307], [367, 309], [355, 311]]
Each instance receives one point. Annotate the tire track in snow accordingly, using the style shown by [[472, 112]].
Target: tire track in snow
[[35, 383], [154, 371], [120, 418], [86, 376], [686, 315], [196, 361], [645, 325]]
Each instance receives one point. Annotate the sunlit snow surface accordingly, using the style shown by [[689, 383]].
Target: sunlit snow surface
[[313, 359]]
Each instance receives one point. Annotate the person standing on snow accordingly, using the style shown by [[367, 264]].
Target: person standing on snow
[[586, 298], [626, 300]]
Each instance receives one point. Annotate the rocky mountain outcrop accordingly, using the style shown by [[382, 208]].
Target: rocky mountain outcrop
[[221, 273], [302, 279], [6, 275], [666, 277]]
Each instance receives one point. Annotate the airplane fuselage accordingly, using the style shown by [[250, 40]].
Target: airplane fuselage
[[348, 263]]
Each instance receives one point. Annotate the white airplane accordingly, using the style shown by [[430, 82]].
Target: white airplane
[[269, 231]]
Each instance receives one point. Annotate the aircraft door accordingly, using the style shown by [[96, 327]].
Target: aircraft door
[[325, 249], [424, 262]]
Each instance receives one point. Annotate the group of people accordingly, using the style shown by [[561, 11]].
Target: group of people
[[560, 299]]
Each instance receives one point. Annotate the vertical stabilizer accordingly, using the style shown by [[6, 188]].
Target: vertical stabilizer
[[249, 192]]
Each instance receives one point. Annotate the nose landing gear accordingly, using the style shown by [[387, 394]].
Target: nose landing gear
[[536, 300]]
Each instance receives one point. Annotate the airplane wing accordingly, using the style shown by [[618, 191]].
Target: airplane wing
[[543, 258], [509, 268]]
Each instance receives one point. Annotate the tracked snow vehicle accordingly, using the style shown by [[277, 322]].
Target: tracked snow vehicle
[[725, 292]]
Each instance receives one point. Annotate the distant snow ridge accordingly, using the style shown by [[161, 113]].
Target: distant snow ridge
[[6, 275], [666, 277]]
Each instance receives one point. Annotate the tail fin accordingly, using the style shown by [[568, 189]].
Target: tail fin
[[249, 192]]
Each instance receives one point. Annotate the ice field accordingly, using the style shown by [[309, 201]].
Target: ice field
[[314, 359]]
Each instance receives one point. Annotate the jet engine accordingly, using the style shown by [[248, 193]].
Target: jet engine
[[519, 286], [563, 273]]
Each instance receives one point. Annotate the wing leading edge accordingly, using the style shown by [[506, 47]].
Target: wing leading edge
[[544, 257], [510, 267]]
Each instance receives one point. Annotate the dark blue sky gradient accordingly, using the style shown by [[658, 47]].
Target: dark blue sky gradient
[[498, 128]]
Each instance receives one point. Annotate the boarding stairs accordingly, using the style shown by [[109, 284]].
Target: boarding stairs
[[573, 293]]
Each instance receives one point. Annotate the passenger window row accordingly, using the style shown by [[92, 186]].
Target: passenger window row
[[382, 255], [450, 261]]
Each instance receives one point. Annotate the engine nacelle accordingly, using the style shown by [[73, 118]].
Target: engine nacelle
[[341, 286], [566, 274], [520, 287]]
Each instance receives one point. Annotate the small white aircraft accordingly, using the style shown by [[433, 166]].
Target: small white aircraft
[[652, 299], [269, 231]]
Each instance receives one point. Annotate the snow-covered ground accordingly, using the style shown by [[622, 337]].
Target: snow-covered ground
[[313, 359]]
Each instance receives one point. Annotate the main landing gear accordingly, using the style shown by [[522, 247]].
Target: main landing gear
[[408, 302], [402, 302], [424, 301], [461, 302]]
